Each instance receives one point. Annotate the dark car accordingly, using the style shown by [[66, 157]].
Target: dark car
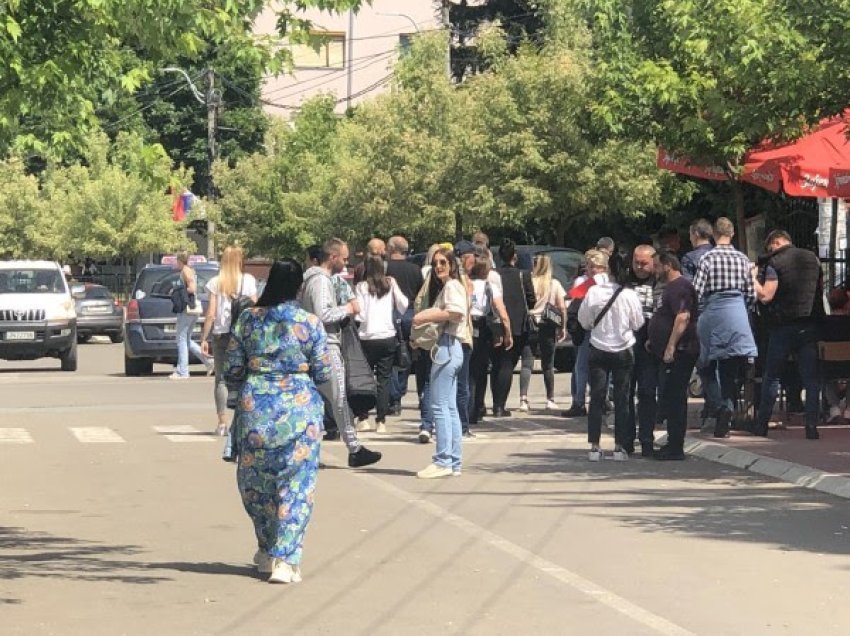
[[566, 263], [98, 313], [150, 326]]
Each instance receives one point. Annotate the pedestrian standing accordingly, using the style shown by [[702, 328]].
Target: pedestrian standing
[[279, 353], [409, 279], [450, 310], [724, 286], [379, 298], [644, 384], [550, 296], [518, 296], [672, 339], [791, 294], [186, 321], [375, 247], [230, 284], [701, 235], [319, 297], [610, 313]]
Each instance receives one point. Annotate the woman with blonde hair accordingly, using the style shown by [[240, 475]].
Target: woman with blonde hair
[[550, 316], [186, 319], [230, 284]]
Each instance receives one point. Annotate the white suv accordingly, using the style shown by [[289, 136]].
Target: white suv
[[37, 314]]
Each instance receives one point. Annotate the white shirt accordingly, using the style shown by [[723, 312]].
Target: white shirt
[[615, 332], [376, 314], [247, 287], [495, 280]]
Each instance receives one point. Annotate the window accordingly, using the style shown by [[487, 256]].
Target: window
[[330, 52]]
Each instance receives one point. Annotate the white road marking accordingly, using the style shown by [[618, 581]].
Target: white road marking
[[103, 408], [96, 435], [657, 623], [183, 433], [15, 436]]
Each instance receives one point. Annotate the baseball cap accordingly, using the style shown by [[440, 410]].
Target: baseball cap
[[464, 247]]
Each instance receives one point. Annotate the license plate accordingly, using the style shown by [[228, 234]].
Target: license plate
[[169, 328], [97, 310], [20, 335]]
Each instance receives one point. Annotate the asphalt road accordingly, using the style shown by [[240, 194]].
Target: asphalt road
[[118, 517]]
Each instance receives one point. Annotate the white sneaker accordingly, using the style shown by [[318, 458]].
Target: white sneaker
[[620, 454], [296, 574], [834, 414], [432, 471], [596, 454], [380, 427], [263, 562], [281, 572], [364, 426], [551, 405], [176, 376], [456, 472], [523, 406], [424, 436]]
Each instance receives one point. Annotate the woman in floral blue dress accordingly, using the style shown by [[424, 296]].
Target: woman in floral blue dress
[[279, 352]]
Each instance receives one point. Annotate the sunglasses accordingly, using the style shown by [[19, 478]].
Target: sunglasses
[[439, 262]]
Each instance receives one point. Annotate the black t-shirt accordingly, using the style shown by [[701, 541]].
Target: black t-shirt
[[679, 295], [408, 276]]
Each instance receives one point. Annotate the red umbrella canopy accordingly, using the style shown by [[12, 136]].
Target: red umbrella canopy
[[815, 165]]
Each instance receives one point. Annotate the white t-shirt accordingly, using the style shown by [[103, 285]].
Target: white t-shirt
[[247, 287], [454, 299], [376, 314], [615, 332]]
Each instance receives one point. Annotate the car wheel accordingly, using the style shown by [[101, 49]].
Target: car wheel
[[117, 337], [137, 366], [68, 358], [84, 338]]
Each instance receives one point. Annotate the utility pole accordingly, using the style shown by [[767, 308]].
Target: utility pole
[[212, 101]]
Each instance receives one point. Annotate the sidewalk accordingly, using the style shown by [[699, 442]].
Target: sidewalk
[[785, 454]]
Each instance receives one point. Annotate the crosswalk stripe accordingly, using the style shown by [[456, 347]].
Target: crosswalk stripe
[[183, 433], [96, 435], [15, 436]]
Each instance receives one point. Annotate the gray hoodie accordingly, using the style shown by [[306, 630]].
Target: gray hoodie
[[318, 297]]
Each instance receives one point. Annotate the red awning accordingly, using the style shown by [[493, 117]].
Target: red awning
[[816, 165]]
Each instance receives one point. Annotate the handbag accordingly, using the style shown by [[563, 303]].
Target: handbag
[[551, 314], [179, 299], [425, 336], [239, 303], [531, 328]]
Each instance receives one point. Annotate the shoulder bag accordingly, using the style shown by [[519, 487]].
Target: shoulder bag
[[239, 303], [608, 306], [401, 359]]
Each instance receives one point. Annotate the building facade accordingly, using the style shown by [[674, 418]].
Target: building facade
[[356, 61]]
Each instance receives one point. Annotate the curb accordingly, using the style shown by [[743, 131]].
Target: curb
[[797, 474]]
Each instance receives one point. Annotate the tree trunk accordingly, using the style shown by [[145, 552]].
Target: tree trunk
[[458, 227], [740, 216]]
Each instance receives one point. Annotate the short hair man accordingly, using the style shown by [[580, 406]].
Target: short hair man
[[673, 342], [701, 235], [790, 293], [724, 285], [319, 298]]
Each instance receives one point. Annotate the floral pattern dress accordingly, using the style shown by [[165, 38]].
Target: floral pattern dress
[[281, 354]]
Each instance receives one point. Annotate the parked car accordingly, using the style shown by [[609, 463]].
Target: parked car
[[98, 313], [150, 326], [566, 263], [37, 315]]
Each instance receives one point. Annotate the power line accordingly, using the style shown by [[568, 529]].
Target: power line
[[115, 123]]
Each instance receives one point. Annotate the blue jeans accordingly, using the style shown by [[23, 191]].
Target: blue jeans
[[800, 339], [581, 373], [399, 377], [185, 344], [444, 380], [463, 389]]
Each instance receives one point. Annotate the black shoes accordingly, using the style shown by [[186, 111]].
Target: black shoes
[[363, 457], [668, 453], [812, 432], [647, 450], [501, 411], [721, 425], [575, 411], [759, 429], [330, 436], [394, 409]]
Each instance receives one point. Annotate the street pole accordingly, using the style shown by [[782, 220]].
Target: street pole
[[212, 103], [350, 57]]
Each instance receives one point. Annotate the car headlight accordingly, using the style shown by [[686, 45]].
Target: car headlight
[[65, 310]]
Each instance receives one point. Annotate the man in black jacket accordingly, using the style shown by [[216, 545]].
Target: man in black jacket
[[791, 293], [409, 278]]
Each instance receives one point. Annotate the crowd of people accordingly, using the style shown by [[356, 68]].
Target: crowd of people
[[316, 355]]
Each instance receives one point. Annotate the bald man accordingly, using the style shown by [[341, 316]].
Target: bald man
[[644, 385], [375, 247]]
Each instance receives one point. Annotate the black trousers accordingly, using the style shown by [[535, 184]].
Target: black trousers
[[644, 387], [380, 355], [478, 363], [619, 365], [502, 375], [673, 382]]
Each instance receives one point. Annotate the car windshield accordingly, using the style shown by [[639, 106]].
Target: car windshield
[[31, 281], [161, 281], [97, 293]]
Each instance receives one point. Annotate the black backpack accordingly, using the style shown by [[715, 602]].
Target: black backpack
[[238, 304], [574, 328]]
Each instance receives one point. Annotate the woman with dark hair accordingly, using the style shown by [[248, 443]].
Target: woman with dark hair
[[279, 353], [450, 310], [518, 296], [377, 296]]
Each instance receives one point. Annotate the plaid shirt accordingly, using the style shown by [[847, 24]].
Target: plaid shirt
[[724, 269]]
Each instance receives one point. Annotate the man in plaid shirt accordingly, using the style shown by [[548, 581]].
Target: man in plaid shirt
[[724, 284]]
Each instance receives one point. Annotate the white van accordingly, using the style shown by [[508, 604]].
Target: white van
[[37, 314]]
